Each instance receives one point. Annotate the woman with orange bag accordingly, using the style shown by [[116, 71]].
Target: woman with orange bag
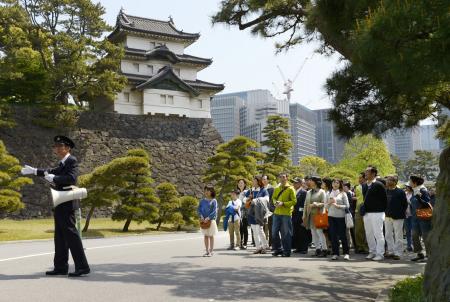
[[314, 206]]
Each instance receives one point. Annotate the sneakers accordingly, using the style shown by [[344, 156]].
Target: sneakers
[[370, 256], [257, 252], [335, 257], [378, 258], [206, 254], [347, 257], [419, 256]]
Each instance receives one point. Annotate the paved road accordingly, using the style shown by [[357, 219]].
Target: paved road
[[170, 268]]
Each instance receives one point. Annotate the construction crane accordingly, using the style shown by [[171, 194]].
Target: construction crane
[[288, 83]]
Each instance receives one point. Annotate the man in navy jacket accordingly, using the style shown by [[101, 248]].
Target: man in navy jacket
[[375, 203], [66, 234]]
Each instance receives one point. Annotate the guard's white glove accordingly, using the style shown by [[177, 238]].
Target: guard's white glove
[[49, 177], [27, 170]]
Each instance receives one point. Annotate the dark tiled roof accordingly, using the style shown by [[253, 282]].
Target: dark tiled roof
[[205, 85], [166, 73], [163, 51], [138, 80], [152, 26]]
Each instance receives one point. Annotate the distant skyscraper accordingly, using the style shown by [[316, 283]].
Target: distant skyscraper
[[403, 142], [428, 140], [225, 115], [329, 145], [250, 110], [303, 132]]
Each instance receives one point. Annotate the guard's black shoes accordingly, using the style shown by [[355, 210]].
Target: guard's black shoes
[[277, 253], [80, 272], [285, 255], [56, 273]]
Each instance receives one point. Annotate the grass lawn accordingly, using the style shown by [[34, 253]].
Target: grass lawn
[[100, 227]]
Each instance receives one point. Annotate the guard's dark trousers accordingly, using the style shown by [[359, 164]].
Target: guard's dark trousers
[[67, 238]]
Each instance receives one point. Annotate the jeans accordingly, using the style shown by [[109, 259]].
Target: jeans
[[408, 231], [338, 231], [244, 231], [282, 225], [421, 228]]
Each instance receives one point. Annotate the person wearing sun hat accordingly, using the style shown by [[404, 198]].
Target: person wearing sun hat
[[66, 235]]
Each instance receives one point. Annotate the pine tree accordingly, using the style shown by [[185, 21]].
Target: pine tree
[[278, 143], [105, 183], [169, 205], [424, 163], [188, 210], [10, 182], [233, 160], [138, 201], [54, 51]]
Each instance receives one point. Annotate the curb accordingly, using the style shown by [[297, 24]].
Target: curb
[[383, 295], [99, 237]]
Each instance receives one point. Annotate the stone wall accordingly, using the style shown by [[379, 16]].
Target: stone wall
[[179, 148]]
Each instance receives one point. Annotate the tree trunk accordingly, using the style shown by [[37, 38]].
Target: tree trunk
[[159, 225], [437, 278], [127, 224], [88, 219]]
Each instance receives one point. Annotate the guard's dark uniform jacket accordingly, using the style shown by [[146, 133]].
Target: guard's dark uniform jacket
[[301, 236], [66, 234]]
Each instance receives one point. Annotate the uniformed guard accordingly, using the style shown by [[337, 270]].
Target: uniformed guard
[[66, 234]]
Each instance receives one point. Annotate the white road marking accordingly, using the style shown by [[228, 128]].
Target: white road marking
[[105, 247]]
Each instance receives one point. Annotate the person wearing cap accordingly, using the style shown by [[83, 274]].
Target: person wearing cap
[[234, 219], [301, 236], [395, 216], [66, 236], [420, 228]]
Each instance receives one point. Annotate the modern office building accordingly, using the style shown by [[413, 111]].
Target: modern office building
[[225, 115], [303, 132], [250, 110], [329, 145], [403, 142], [428, 140]]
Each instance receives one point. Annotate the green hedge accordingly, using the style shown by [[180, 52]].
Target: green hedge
[[408, 290]]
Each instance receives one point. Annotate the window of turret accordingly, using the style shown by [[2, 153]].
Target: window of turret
[[150, 69], [126, 96], [136, 67], [170, 99], [163, 98]]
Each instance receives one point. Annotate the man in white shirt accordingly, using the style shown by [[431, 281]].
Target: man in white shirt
[[234, 222]]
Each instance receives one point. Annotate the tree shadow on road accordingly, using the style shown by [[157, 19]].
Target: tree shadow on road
[[219, 283]]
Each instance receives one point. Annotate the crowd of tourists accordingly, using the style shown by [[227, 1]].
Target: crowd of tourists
[[327, 215]]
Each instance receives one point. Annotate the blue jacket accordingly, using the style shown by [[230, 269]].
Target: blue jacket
[[416, 204], [207, 208], [229, 212]]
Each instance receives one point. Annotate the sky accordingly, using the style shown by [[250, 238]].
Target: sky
[[242, 61]]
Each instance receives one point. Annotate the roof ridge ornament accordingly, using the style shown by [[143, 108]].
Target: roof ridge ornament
[[171, 20]]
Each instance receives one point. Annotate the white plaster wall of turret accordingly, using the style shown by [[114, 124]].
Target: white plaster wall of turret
[[148, 44], [178, 103], [143, 68]]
